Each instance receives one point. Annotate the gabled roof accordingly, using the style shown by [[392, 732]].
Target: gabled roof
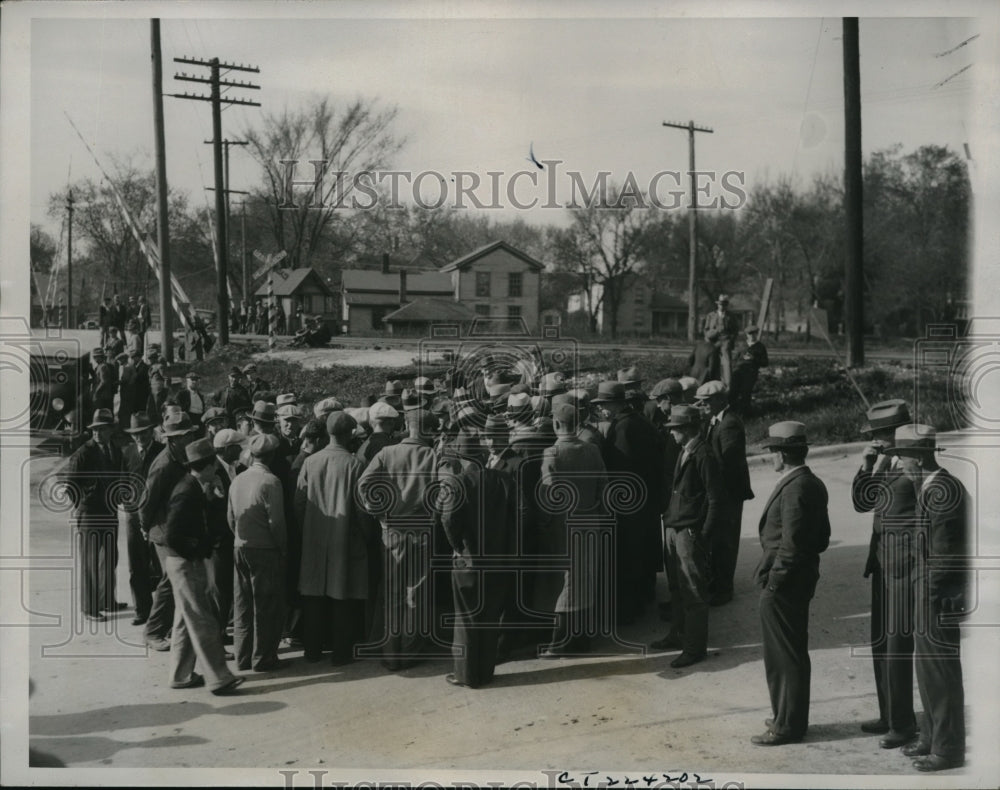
[[374, 281], [286, 286], [475, 255], [663, 301], [431, 310], [376, 300]]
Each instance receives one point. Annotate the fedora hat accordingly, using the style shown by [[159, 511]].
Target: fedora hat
[[683, 415], [393, 387], [914, 439], [629, 377], [213, 414], [264, 411], [609, 392], [887, 414], [177, 424], [140, 422], [723, 299], [98, 353], [199, 450], [788, 433], [103, 418], [285, 399], [424, 385], [552, 384]]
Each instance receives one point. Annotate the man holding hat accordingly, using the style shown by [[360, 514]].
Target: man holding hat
[[90, 477], [187, 544], [694, 513], [257, 519], [794, 531], [137, 458], [165, 472], [191, 399], [406, 469], [726, 328], [727, 437], [383, 419], [942, 597], [747, 368], [338, 538], [233, 397], [877, 468]]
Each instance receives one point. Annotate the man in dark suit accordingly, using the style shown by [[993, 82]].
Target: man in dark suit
[[794, 531], [746, 370], [105, 381], [880, 487], [726, 327], [631, 447], [191, 398], [90, 478], [727, 437], [228, 446], [942, 589], [695, 512], [138, 457], [704, 358], [106, 320], [234, 397]]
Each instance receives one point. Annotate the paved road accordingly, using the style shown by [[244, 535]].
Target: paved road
[[101, 701]]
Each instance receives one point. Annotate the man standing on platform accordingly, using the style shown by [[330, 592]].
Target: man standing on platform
[[727, 328], [794, 531]]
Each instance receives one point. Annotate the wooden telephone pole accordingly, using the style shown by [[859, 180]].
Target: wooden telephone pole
[[162, 224], [692, 225], [854, 308], [70, 324], [216, 84]]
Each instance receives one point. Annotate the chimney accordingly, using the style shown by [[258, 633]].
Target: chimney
[[402, 287], [385, 263]]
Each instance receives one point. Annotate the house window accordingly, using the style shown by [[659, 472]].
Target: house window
[[550, 319], [483, 309], [514, 311], [483, 284], [640, 295], [640, 321], [514, 284]]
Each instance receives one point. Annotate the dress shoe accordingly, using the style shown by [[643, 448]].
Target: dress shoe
[[138, 620], [230, 687], [769, 723], [95, 618], [916, 749], [115, 607], [669, 642], [450, 677], [160, 645], [936, 762], [875, 726], [771, 738], [553, 652], [686, 660], [896, 739], [195, 682]]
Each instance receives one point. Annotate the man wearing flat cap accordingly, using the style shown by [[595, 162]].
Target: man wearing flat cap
[[187, 544], [746, 370], [256, 516], [726, 327], [137, 458], [794, 531], [233, 397], [289, 424], [383, 419], [942, 598], [191, 399], [726, 435], [694, 513], [338, 538], [165, 472], [90, 477], [392, 488], [879, 474], [631, 447], [213, 420]]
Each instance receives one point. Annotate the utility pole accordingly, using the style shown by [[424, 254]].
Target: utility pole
[[162, 223], [225, 167], [216, 84], [243, 252], [692, 224], [854, 315], [69, 261]]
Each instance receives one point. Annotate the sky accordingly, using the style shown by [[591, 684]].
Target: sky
[[474, 94]]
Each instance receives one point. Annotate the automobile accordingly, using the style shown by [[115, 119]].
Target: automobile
[[90, 324], [59, 392]]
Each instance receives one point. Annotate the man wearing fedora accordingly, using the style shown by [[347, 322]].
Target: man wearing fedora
[[794, 531], [91, 476], [165, 472], [186, 545], [726, 435], [694, 513], [726, 327], [942, 598], [631, 447], [881, 487], [137, 458]]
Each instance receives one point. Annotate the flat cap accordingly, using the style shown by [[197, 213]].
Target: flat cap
[[566, 413], [262, 444], [227, 437], [665, 388], [313, 429], [788, 433], [710, 389], [213, 414], [340, 423], [382, 411]]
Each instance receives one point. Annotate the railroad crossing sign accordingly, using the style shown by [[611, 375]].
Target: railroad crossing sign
[[269, 261]]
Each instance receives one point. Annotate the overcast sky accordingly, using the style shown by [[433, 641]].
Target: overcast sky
[[474, 94]]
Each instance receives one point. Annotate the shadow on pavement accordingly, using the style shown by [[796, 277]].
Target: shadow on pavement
[[126, 717], [89, 748]]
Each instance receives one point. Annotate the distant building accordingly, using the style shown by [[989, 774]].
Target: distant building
[[419, 316], [367, 296], [301, 290]]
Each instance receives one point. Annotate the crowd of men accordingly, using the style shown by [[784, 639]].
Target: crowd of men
[[484, 495]]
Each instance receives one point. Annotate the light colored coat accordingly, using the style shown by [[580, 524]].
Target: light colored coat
[[335, 530]]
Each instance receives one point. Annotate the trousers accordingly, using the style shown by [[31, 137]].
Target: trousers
[[334, 624], [97, 558], [725, 549], [139, 577], [784, 625], [195, 631], [480, 596], [897, 602], [221, 584], [687, 575], [937, 648], [258, 607], [161, 613]]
